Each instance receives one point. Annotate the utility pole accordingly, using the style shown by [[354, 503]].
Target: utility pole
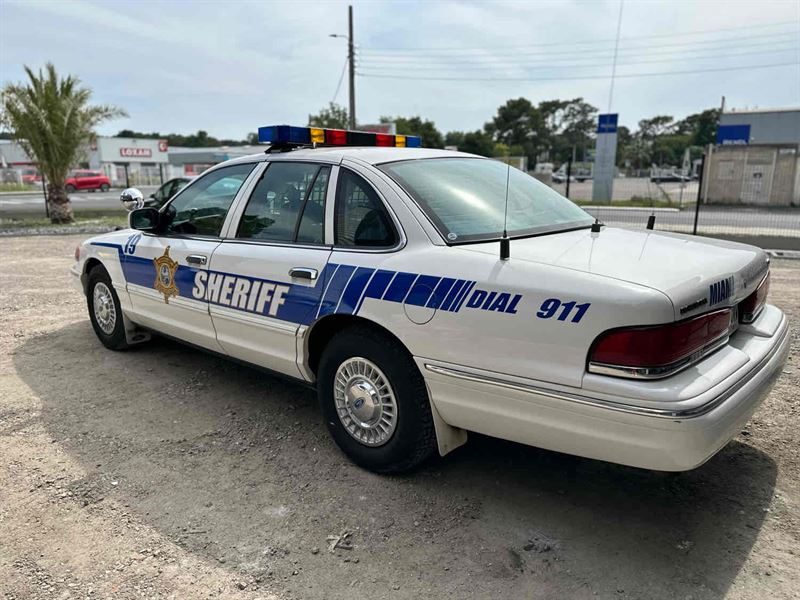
[[352, 60]]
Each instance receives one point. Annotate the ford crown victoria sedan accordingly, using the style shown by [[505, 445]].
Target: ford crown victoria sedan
[[377, 275]]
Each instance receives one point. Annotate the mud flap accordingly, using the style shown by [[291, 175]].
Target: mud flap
[[448, 438]]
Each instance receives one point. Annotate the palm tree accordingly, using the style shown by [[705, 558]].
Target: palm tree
[[52, 120]]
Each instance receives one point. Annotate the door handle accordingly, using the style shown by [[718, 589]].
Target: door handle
[[196, 259], [303, 273]]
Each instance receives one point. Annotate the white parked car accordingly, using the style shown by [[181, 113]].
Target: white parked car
[[375, 273]]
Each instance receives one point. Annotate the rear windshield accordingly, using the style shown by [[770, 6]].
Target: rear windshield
[[465, 198]]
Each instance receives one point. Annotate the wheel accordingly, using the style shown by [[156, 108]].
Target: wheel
[[104, 310], [375, 402], [70, 188], [104, 188]]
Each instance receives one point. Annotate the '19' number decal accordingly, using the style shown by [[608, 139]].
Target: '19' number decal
[[130, 244], [550, 307]]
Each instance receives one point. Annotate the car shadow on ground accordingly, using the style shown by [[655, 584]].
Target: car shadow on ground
[[236, 466]]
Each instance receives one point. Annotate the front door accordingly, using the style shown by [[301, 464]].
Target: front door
[[266, 278], [162, 270]]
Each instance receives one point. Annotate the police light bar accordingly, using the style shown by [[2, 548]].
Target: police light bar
[[287, 136]]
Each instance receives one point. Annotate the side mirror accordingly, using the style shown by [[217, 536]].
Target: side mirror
[[144, 219], [131, 199]]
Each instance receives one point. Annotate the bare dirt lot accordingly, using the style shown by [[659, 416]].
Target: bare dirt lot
[[167, 473]]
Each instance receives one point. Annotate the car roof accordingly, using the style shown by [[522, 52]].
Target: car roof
[[369, 154]]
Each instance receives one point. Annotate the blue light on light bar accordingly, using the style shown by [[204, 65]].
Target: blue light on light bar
[[284, 134]]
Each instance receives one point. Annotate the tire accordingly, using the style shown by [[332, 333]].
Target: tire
[[411, 439], [110, 330], [70, 189], [105, 187]]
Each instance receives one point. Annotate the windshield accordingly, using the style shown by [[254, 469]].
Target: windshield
[[466, 198]]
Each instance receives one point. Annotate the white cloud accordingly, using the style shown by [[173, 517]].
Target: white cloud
[[229, 67]]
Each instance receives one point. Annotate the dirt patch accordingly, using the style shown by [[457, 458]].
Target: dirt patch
[[165, 472]]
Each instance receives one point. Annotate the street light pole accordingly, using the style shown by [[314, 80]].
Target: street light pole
[[351, 59]]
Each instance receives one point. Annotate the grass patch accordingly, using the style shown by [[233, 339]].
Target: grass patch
[[18, 187], [88, 218]]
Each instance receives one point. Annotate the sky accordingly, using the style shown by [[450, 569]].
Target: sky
[[231, 66]]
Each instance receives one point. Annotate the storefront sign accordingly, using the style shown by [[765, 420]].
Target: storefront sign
[[733, 134], [136, 152]]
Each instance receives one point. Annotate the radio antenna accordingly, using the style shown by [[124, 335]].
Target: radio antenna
[[505, 244]]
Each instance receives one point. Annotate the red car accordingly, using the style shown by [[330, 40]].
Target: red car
[[87, 180]]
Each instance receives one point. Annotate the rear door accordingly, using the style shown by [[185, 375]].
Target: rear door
[[166, 273], [267, 275]]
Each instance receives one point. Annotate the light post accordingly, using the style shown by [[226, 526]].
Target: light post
[[351, 113]]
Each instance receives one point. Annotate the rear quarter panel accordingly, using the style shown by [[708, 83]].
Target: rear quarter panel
[[503, 335]]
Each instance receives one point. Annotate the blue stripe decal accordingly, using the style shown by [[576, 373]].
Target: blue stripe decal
[[453, 294], [378, 285], [422, 290], [340, 288], [352, 293], [464, 295], [400, 286], [440, 292], [335, 289]]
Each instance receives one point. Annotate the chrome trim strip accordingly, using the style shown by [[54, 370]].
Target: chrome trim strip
[[235, 316], [660, 413]]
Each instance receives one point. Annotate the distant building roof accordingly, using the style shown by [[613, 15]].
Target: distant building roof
[[773, 126], [13, 153]]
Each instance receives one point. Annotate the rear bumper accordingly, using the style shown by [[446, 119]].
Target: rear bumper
[[663, 435]]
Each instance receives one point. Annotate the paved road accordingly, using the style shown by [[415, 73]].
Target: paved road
[[11, 204], [711, 220]]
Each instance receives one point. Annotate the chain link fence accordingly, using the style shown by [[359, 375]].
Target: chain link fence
[[750, 195]]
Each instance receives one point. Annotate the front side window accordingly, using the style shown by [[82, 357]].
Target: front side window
[[465, 198], [287, 204], [201, 208], [361, 219]]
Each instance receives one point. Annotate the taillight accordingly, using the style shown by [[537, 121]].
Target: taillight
[[659, 350], [750, 307]]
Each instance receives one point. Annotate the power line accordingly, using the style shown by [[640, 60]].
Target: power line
[[341, 78], [580, 77], [614, 62], [651, 49], [638, 37], [564, 63]]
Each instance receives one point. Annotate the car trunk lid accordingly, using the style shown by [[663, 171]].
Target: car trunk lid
[[696, 273]]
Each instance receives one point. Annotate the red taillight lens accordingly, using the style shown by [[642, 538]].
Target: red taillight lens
[[751, 306], [658, 350]]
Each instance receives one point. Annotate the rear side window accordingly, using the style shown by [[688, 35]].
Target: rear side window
[[288, 204], [361, 219]]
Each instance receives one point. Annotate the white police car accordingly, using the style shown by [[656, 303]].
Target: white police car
[[375, 273]]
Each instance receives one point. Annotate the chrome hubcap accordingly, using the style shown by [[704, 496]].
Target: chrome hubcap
[[104, 312], [365, 401]]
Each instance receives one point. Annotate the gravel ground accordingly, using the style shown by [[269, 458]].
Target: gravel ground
[[167, 473]]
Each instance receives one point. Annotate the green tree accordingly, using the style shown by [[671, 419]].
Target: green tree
[[334, 117], [702, 127], [52, 120], [426, 130], [475, 142], [568, 124], [519, 123]]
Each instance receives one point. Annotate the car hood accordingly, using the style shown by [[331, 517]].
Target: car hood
[[696, 273]]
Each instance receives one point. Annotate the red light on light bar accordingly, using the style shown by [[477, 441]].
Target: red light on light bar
[[336, 137], [383, 139]]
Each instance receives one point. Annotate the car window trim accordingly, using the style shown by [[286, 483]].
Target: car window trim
[[400, 239], [302, 210]]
